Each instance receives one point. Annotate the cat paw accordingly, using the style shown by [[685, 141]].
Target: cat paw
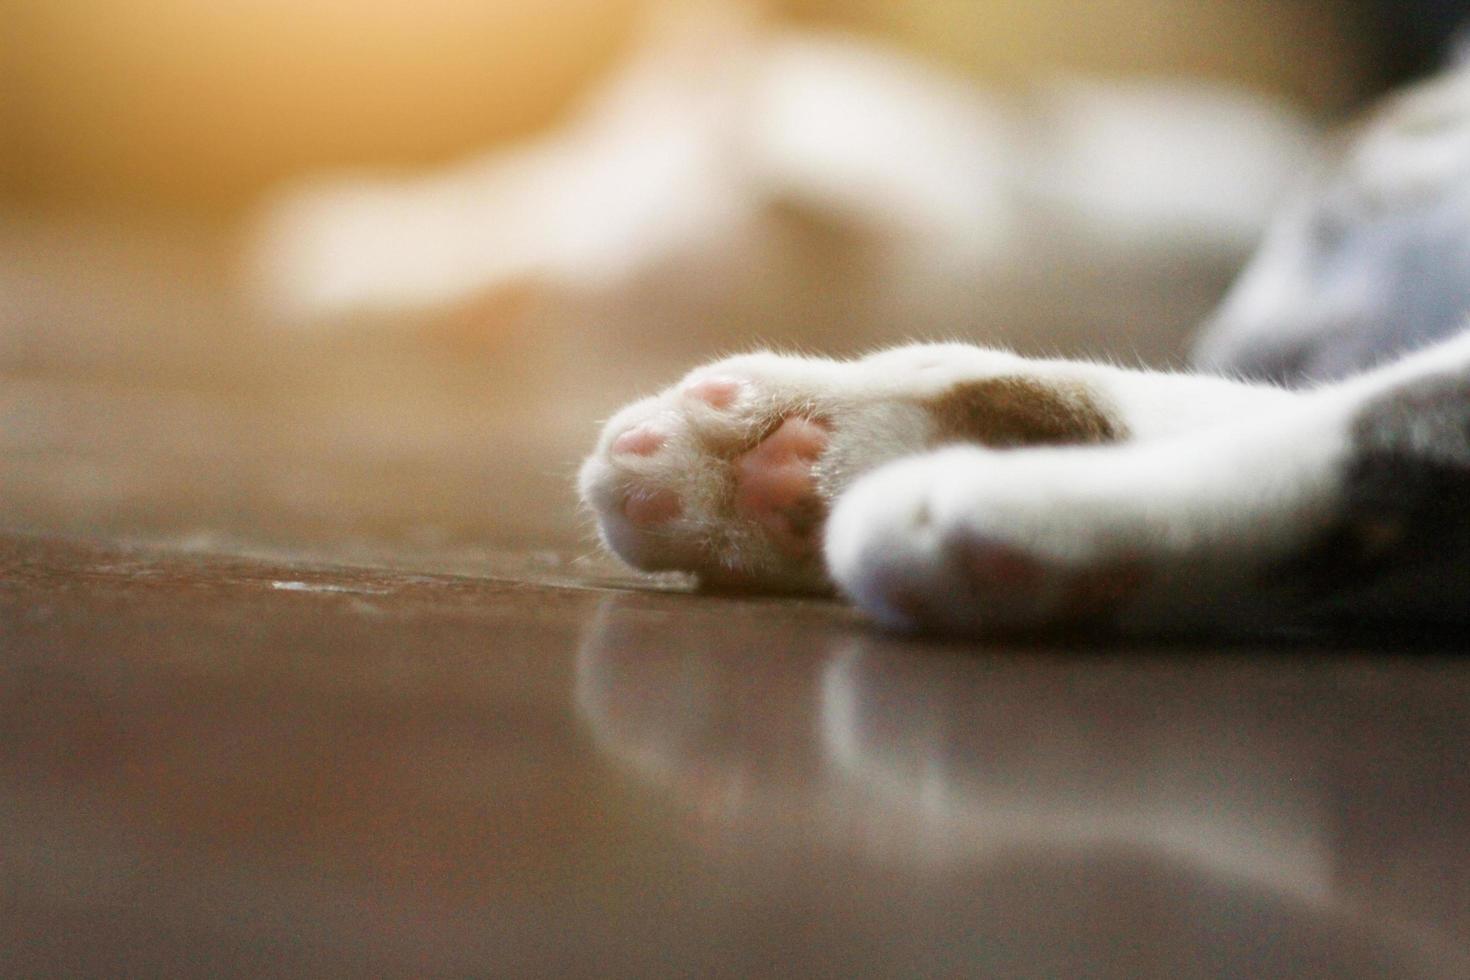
[[969, 541], [731, 472], [717, 475]]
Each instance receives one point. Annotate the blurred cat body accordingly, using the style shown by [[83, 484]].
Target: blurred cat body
[[736, 183]]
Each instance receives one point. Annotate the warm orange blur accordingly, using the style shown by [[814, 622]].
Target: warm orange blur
[[201, 104]]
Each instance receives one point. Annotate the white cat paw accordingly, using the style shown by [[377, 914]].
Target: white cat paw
[[973, 541], [730, 473], [716, 474]]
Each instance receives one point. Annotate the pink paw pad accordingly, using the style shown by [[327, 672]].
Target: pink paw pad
[[776, 489], [995, 566], [1099, 592], [641, 440], [717, 391], [1071, 596], [645, 508]]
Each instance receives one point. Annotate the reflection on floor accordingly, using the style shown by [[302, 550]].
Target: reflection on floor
[[216, 765], [306, 668]]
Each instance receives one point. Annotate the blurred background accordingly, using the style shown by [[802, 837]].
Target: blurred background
[[358, 280], [316, 299]]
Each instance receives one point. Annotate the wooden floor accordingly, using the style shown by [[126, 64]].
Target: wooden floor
[[307, 668]]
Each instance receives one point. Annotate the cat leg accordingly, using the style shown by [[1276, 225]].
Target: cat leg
[[730, 473], [1357, 490]]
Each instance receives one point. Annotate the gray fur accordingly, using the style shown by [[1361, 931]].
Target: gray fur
[[1371, 264], [1400, 548]]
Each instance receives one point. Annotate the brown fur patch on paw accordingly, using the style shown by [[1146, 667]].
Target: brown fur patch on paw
[[1017, 411]]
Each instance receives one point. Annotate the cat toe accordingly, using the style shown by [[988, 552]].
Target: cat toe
[[647, 507], [640, 440], [717, 391]]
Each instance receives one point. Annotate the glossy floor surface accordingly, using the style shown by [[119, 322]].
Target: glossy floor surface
[[217, 765], [306, 669]]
